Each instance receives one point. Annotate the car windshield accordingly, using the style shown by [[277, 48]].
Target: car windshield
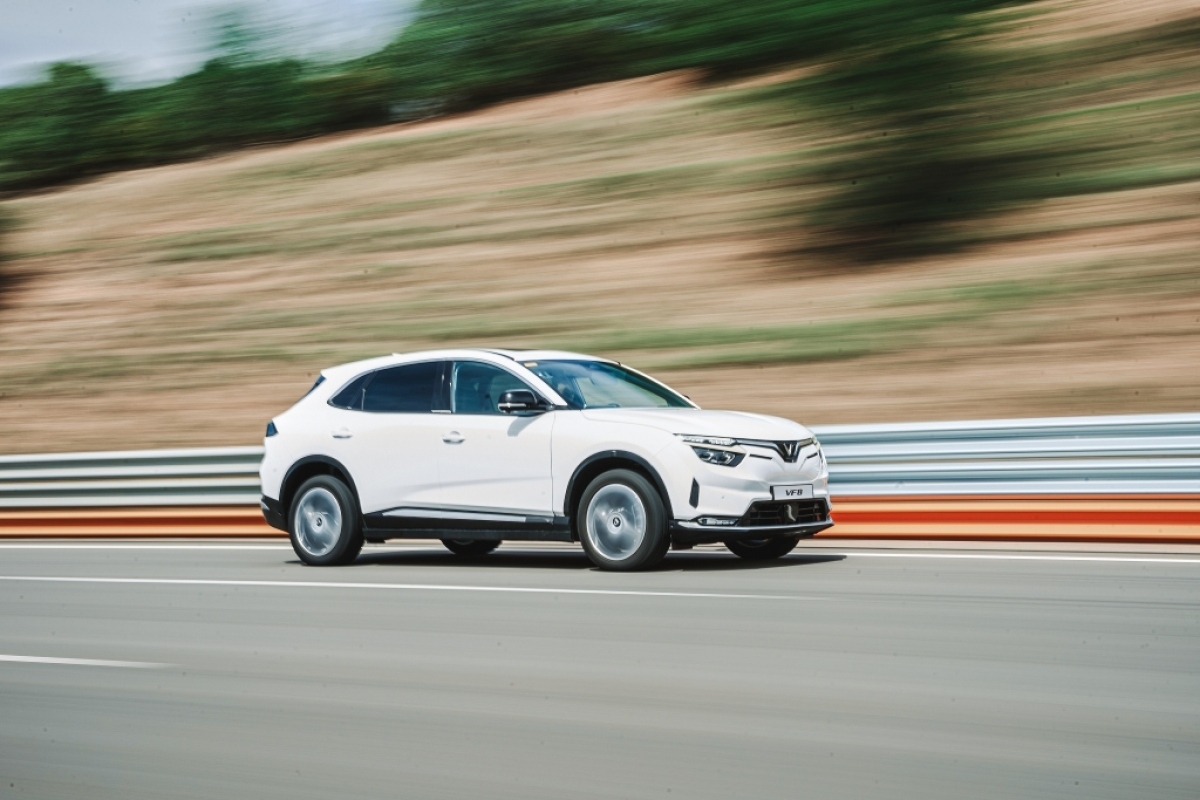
[[599, 384]]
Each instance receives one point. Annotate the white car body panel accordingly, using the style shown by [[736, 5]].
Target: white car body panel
[[578, 438], [501, 463], [392, 457]]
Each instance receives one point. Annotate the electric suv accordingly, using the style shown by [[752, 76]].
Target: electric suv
[[474, 447]]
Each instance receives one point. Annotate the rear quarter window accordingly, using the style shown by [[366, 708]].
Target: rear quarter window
[[351, 396]]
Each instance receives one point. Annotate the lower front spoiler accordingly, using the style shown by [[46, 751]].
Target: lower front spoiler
[[687, 532]]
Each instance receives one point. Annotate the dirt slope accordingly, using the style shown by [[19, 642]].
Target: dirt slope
[[649, 220]]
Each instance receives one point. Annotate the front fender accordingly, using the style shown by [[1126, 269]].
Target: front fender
[[584, 469]]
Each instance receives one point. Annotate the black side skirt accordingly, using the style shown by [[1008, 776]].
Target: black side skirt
[[378, 528]]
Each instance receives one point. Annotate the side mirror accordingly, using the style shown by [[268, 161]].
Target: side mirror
[[517, 400]]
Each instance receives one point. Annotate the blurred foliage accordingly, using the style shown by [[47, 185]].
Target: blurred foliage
[[456, 54], [944, 127], [463, 53], [930, 125], [58, 129], [7, 279], [74, 124], [916, 111]]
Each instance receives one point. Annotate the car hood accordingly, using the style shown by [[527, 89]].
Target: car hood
[[734, 424]]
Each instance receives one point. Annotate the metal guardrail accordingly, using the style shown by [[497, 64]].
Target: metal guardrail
[[1145, 454], [191, 477], [1128, 455]]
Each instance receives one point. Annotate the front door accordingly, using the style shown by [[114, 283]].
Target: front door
[[493, 463]]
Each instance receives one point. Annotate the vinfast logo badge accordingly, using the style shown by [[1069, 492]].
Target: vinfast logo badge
[[789, 451]]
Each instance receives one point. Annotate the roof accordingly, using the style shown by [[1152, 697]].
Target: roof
[[488, 353], [543, 355]]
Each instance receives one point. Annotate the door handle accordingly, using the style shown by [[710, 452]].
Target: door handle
[[453, 437], [342, 433]]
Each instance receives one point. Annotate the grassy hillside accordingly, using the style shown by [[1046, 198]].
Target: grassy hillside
[[652, 220]]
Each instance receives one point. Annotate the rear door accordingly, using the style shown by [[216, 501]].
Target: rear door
[[491, 462], [388, 437]]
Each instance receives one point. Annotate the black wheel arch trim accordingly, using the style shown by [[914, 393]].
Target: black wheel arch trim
[[272, 512], [620, 455], [328, 461]]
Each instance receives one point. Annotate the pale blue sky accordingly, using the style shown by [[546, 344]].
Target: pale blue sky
[[150, 41]]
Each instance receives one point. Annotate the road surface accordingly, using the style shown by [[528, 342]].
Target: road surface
[[223, 671]]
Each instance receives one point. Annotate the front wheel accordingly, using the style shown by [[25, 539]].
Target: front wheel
[[622, 522], [763, 549], [471, 547], [323, 524]]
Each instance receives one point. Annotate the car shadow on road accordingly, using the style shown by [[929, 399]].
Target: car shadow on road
[[566, 559], [719, 562], [685, 561]]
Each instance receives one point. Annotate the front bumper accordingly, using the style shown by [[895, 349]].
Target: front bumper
[[763, 520], [690, 532], [698, 489]]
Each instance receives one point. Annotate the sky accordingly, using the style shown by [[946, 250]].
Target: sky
[[139, 42]]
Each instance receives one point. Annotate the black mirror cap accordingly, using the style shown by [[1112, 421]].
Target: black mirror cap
[[517, 400]]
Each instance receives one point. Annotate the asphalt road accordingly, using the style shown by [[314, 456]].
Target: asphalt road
[[239, 673]]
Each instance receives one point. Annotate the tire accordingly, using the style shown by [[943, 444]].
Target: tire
[[471, 548], [324, 523], [763, 549], [622, 522]]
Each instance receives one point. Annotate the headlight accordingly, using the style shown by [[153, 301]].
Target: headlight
[[711, 450], [715, 441], [724, 458]]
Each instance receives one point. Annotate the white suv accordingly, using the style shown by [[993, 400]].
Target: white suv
[[477, 446]]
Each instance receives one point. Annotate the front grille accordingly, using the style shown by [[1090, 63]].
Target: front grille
[[766, 513], [789, 451]]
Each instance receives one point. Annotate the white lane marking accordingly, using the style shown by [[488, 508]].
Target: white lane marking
[[83, 662], [1003, 557], [429, 587]]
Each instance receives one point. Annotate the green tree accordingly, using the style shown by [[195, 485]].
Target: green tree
[[467, 53], [917, 157], [7, 279], [60, 129]]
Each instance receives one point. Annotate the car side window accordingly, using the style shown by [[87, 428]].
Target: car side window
[[351, 397], [475, 387], [407, 389]]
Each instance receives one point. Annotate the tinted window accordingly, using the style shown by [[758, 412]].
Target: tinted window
[[599, 384], [352, 396], [406, 389], [476, 387]]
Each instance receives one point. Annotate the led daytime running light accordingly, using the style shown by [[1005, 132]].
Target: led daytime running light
[[708, 441]]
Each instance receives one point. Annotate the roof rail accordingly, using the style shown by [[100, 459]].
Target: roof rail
[[497, 353]]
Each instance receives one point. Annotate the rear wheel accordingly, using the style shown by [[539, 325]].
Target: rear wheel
[[763, 549], [622, 522], [471, 547], [324, 523]]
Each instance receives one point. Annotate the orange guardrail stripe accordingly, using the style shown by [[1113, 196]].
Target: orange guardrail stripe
[[1130, 518], [200, 521]]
